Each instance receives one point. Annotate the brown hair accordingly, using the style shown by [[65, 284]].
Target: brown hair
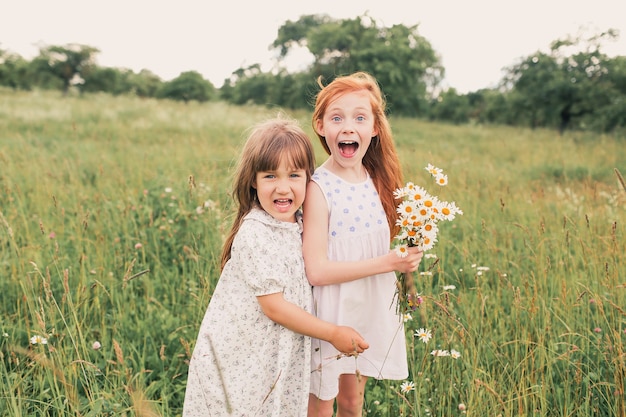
[[381, 159], [267, 143]]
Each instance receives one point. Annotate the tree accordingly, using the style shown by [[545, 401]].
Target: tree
[[562, 88], [13, 71], [188, 86], [451, 107], [70, 63], [403, 62]]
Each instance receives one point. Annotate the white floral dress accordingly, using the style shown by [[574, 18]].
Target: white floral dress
[[357, 229], [243, 363]]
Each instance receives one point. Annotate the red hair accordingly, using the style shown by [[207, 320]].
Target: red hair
[[381, 159]]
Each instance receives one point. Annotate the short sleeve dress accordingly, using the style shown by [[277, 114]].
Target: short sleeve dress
[[357, 229], [243, 363]]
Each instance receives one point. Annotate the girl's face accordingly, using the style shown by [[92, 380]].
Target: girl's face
[[281, 192], [348, 127]]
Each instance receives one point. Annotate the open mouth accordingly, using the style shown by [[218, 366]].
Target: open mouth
[[283, 202], [348, 148]]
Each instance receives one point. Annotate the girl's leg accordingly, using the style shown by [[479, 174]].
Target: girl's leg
[[320, 408], [350, 397]]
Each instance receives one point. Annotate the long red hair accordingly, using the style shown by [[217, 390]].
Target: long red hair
[[381, 159]]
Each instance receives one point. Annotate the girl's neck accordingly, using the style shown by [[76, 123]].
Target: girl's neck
[[352, 174]]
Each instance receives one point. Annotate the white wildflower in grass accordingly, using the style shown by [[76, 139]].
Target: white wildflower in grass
[[407, 317], [455, 354], [423, 334], [439, 353], [38, 340], [407, 386], [449, 287], [430, 256], [96, 345]]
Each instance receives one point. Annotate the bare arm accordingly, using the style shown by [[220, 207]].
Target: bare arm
[[344, 339], [322, 271]]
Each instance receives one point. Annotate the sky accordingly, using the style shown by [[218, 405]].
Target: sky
[[475, 39]]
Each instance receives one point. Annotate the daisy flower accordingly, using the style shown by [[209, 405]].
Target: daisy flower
[[441, 179], [438, 352], [402, 251], [424, 334], [38, 340], [455, 354], [433, 170], [407, 386]]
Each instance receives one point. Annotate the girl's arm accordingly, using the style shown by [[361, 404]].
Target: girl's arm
[[322, 271], [344, 339]]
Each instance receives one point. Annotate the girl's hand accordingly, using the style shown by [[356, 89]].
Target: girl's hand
[[347, 340], [409, 263]]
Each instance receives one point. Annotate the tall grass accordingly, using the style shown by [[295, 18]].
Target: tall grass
[[112, 213]]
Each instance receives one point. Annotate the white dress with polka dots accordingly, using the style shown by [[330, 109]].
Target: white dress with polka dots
[[243, 363], [357, 229]]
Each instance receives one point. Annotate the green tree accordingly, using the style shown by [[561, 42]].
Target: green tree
[[70, 64], [188, 86], [403, 61], [451, 107], [563, 88], [13, 71]]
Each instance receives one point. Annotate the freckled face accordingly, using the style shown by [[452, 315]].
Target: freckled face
[[348, 127], [281, 192]]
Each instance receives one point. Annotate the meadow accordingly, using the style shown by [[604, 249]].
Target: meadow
[[112, 215]]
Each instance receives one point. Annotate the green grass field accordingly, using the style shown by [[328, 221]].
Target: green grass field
[[112, 214]]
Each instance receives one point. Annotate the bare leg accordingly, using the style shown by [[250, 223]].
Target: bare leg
[[350, 397], [320, 408]]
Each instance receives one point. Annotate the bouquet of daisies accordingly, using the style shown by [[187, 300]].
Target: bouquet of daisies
[[418, 216]]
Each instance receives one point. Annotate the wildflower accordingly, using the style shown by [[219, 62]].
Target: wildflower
[[418, 215], [462, 407], [424, 334], [434, 171], [597, 330], [407, 386], [38, 340], [439, 352], [402, 251], [406, 317], [96, 345], [52, 235], [414, 301], [5, 334], [168, 189], [455, 354], [441, 179], [449, 287], [138, 246], [430, 256]]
